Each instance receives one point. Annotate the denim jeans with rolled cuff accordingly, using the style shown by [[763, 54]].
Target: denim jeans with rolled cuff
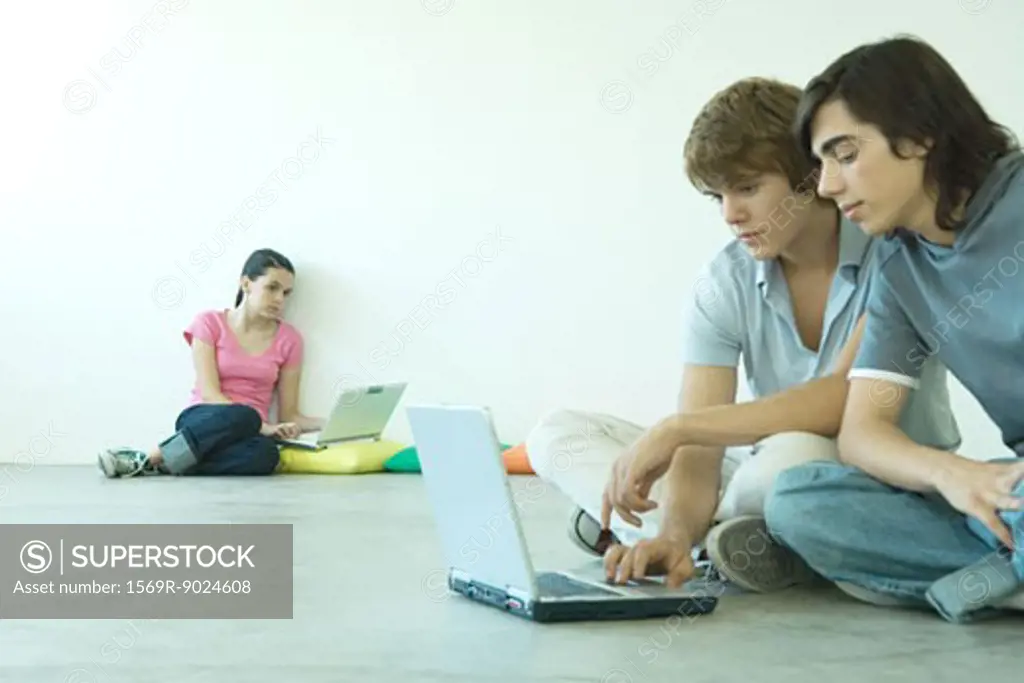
[[917, 548], [219, 439]]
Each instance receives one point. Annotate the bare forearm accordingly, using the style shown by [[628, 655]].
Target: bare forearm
[[815, 407], [883, 451], [692, 485], [210, 396], [305, 422]]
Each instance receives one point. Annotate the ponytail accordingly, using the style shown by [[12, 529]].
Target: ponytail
[[238, 297]]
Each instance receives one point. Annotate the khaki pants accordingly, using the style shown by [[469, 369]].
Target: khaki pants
[[574, 451]]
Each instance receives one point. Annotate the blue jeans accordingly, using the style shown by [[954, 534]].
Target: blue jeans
[[850, 527], [219, 439]]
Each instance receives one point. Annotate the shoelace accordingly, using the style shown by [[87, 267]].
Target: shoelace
[[139, 462]]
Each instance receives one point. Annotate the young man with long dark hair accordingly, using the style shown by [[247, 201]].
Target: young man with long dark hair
[[909, 154]]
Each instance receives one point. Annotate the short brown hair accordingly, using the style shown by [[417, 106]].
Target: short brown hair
[[747, 129], [905, 88]]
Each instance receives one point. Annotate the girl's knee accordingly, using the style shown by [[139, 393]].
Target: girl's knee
[[245, 417]]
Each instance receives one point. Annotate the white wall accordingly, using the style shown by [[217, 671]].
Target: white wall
[[443, 122]]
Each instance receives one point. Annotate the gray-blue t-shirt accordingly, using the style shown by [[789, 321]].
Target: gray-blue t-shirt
[[962, 304]]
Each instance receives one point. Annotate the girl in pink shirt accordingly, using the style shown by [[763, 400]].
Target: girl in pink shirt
[[241, 356]]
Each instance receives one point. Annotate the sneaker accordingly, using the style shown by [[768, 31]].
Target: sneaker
[[875, 597], [125, 462], [586, 532], [742, 552]]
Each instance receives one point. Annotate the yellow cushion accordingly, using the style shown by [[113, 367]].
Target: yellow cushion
[[345, 458]]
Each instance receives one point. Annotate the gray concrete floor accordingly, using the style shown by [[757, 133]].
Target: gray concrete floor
[[365, 608]]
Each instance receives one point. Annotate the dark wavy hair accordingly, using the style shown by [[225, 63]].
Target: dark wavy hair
[[905, 88], [257, 265]]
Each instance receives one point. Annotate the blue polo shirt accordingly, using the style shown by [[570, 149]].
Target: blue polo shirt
[[741, 310], [962, 305]]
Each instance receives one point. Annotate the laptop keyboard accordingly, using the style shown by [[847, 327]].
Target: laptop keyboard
[[551, 585]]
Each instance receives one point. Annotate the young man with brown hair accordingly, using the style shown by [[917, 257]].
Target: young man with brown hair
[[911, 154], [786, 297]]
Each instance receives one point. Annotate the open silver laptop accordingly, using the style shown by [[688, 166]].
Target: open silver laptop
[[360, 413], [477, 518]]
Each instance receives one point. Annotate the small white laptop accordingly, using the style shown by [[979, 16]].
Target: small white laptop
[[359, 414], [477, 519]]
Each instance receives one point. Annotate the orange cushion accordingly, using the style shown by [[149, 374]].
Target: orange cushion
[[516, 461]]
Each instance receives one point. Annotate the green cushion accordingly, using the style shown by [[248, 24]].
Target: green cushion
[[408, 460], [404, 460]]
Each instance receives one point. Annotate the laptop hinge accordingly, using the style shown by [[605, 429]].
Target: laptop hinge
[[514, 592], [511, 591]]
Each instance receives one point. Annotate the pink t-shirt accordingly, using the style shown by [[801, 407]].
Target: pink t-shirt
[[245, 378]]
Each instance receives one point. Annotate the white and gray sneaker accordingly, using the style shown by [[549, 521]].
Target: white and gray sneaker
[[744, 553], [125, 462]]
